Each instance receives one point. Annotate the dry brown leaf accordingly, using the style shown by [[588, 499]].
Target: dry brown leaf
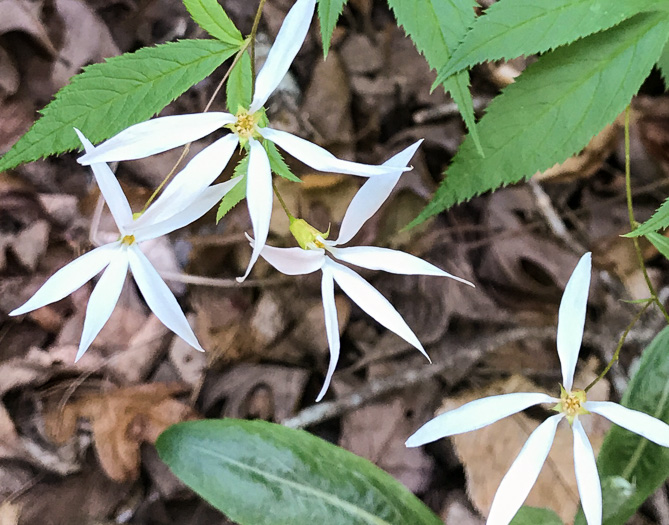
[[10, 442], [17, 16], [121, 421]]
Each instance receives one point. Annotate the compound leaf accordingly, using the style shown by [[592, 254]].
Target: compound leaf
[[211, 17]]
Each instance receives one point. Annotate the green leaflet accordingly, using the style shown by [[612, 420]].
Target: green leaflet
[[328, 14], [658, 221], [535, 516], [660, 242], [511, 28], [628, 455], [108, 97], [260, 473], [436, 28], [277, 163], [211, 17], [237, 193], [239, 87], [663, 65], [554, 108]]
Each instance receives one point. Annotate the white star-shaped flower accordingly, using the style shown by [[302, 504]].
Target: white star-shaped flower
[[316, 253], [125, 253], [162, 134], [520, 478]]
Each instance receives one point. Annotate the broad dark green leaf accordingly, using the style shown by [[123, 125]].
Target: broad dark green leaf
[[511, 28], [239, 87], [554, 108], [211, 17], [260, 473], [328, 14], [107, 98], [436, 28], [658, 221], [628, 455], [535, 516], [663, 65], [277, 163], [236, 194], [660, 242], [616, 493]]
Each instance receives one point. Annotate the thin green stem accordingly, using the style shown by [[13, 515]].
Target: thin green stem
[[633, 223], [281, 201], [252, 39], [621, 341]]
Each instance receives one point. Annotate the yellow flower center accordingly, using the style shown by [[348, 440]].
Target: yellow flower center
[[127, 240], [571, 404], [245, 125]]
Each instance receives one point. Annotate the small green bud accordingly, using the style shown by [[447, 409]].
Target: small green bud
[[308, 237]]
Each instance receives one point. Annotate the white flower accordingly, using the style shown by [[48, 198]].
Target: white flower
[[524, 471], [125, 253], [162, 134], [313, 255]]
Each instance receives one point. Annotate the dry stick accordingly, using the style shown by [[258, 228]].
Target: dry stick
[[414, 376]]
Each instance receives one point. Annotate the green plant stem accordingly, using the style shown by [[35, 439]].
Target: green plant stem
[[281, 201], [252, 39], [621, 342], [633, 223]]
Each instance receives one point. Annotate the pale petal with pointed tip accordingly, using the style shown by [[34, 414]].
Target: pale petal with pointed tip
[[70, 278], [638, 422], [331, 326], [293, 261], [571, 319], [157, 135], [103, 300], [523, 473], [372, 195], [320, 159], [110, 188], [159, 297], [190, 182], [474, 415], [201, 205], [372, 302], [288, 42], [587, 477], [259, 198], [388, 260]]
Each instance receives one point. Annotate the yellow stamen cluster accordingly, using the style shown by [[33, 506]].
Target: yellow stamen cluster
[[245, 125], [571, 404], [128, 240]]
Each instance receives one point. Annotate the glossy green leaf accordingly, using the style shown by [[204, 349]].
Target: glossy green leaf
[[511, 28], [277, 163], [107, 98], [554, 108], [237, 193], [535, 516], [436, 28], [658, 221], [239, 87], [616, 493], [663, 65], [660, 242], [211, 17], [328, 14], [627, 455], [260, 473]]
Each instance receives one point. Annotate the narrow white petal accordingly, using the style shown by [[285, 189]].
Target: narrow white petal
[[156, 135], [371, 301], [474, 415], [159, 297], [70, 278], [638, 422], [259, 198], [522, 475], [320, 159], [331, 326], [571, 319], [392, 261], [103, 300], [196, 209], [190, 182], [109, 187], [293, 261], [587, 477], [281, 55], [372, 195]]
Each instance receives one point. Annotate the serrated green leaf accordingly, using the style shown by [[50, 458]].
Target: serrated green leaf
[[277, 163], [660, 242], [239, 88], [535, 516], [663, 66], [436, 28], [260, 473], [107, 98], [511, 28], [211, 17], [237, 193], [658, 221], [628, 455], [553, 109], [328, 14]]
